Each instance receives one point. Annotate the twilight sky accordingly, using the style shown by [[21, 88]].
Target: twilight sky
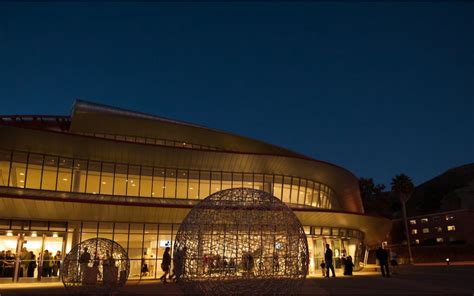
[[378, 88]]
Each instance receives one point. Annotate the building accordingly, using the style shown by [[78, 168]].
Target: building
[[133, 177]]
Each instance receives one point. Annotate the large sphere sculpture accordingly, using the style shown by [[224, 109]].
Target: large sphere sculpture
[[95, 266], [240, 241]]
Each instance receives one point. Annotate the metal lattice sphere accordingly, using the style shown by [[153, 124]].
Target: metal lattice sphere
[[240, 241], [96, 265]]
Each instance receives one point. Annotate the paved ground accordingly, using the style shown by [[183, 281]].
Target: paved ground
[[417, 280]]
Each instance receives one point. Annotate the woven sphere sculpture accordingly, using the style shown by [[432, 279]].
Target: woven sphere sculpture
[[240, 241], [95, 266]]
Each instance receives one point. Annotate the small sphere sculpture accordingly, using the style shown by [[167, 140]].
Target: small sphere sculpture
[[95, 266], [241, 242]]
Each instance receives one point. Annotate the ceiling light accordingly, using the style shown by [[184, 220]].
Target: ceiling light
[[21, 181], [64, 179], [103, 182], [55, 234], [34, 234], [22, 174], [133, 185], [9, 233]]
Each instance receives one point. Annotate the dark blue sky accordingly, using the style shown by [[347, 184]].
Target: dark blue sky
[[378, 88]]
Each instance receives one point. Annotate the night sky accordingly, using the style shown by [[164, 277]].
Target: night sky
[[378, 88]]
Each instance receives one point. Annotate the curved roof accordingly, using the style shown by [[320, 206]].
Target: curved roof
[[237, 153]]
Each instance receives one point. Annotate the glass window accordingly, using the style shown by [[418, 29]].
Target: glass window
[[302, 193], [309, 193], [50, 173], [326, 231], [413, 222], [424, 220], [417, 241], [216, 182], [439, 229], [414, 231], [226, 181], [248, 181], [278, 187], [18, 170], [64, 174], [107, 178], [451, 228], [182, 190], [316, 195], [449, 217], [204, 184], [35, 166], [93, 177], [426, 230], [439, 239], [120, 180], [295, 190], [133, 182], [193, 190], [237, 180], [258, 183], [79, 175], [5, 157], [287, 189], [170, 183], [158, 182], [146, 174], [268, 183]]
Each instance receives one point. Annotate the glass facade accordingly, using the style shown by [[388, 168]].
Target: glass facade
[[47, 172], [145, 244]]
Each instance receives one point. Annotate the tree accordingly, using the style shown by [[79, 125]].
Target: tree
[[403, 187], [369, 191]]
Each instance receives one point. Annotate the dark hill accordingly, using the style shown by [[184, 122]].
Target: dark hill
[[451, 190]]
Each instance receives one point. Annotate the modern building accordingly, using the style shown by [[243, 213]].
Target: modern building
[[133, 177]]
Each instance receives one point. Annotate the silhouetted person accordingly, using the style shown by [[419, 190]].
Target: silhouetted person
[[348, 266], [323, 268], [382, 256], [31, 265], [165, 265], [84, 260], [328, 258], [394, 262]]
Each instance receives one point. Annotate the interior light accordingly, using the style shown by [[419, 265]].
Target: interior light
[[55, 234], [34, 234], [94, 192], [163, 187], [9, 233], [184, 144], [250, 183], [131, 181], [152, 193], [64, 179], [191, 188], [22, 174], [103, 182], [133, 185], [21, 181]]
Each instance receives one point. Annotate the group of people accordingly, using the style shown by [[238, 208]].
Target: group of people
[[383, 256], [50, 265], [328, 265]]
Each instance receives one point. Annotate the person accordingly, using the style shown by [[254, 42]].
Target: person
[[165, 264], [323, 268], [2, 262], [57, 263], [144, 269], [84, 260], [31, 265], [382, 255], [328, 259], [178, 266], [348, 266], [25, 259], [394, 262], [45, 264], [276, 263]]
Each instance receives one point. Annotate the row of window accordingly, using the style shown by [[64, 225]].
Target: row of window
[[433, 219], [153, 141], [46, 172], [436, 229]]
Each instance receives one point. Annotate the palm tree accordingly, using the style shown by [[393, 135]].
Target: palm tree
[[403, 187]]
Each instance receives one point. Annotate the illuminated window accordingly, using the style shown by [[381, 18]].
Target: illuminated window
[[439, 228], [417, 241], [449, 217], [413, 222], [424, 220], [451, 228], [414, 231], [439, 239], [426, 230]]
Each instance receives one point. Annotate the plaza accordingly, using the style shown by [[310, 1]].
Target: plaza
[[410, 280]]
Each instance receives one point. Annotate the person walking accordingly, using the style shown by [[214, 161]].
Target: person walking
[[57, 263], [328, 259], [382, 256], [165, 265], [45, 264], [31, 265]]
